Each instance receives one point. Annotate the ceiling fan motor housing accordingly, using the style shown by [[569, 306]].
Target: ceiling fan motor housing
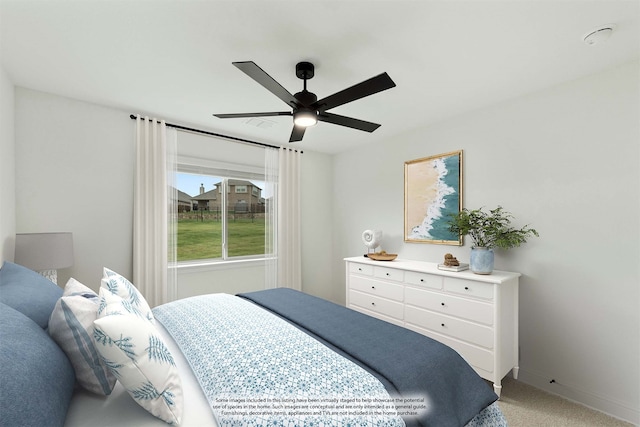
[[305, 97], [304, 70]]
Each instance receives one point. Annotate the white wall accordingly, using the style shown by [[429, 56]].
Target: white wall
[[317, 225], [230, 278], [565, 160], [7, 169], [74, 172]]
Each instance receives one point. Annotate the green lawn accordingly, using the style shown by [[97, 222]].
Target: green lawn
[[202, 240]]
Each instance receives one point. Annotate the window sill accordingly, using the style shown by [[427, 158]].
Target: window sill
[[213, 265]]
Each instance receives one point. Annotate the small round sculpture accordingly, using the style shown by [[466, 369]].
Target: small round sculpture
[[450, 261]]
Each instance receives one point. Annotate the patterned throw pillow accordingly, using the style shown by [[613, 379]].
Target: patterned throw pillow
[[139, 358], [122, 287], [71, 327]]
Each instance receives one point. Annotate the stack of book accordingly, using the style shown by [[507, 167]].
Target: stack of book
[[460, 267]]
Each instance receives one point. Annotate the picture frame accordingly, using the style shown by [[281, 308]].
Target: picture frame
[[432, 192]]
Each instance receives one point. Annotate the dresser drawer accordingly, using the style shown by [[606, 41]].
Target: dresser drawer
[[388, 273], [376, 304], [423, 279], [451, 305], [469, 288], [397, 322], [457, 328], [475, 356], [365, 269], [377, 288]]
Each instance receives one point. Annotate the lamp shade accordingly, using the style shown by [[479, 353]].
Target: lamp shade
[[44, 251]]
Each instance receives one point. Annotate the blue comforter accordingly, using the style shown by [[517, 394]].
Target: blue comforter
[[408, 364]]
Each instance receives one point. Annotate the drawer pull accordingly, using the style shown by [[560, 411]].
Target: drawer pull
[[466, 288], [421, 280], [442, 324], [373, 287], [442, 304], [373, 303], [387, 274], [359, 269]]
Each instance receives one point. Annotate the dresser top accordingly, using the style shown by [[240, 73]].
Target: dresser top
[[496, 276]]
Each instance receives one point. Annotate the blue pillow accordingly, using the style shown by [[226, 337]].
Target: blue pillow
[[28, 292], [36, 378]]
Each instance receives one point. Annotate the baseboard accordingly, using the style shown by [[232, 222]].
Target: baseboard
[[616, 409]]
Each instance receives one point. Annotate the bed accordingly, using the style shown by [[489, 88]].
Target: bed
[[272, 357]]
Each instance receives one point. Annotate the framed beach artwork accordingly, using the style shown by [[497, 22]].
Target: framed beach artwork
[[432, 192]]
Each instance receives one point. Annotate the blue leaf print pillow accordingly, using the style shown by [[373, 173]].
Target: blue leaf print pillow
[[137, 355], [119, 285]]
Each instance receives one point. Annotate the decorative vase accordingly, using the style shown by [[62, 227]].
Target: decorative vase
[[481, 260]]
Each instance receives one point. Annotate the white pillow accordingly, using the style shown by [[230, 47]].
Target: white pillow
[[136, 354], [71, 327], [122, 287]]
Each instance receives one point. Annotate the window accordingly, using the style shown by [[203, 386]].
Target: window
[[214, 224]]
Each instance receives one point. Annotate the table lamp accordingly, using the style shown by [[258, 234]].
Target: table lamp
[[45, 252]]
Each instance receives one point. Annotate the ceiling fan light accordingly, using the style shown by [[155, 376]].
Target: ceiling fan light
[[305, 118]]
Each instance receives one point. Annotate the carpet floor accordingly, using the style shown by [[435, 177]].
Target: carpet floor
[[527, 406]]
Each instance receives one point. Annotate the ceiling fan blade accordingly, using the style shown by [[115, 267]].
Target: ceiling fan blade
[[368, 87], [239, 115], [297, 133], [350, 122], [260, 76]]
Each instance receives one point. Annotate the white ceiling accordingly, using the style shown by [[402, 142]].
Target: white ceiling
[[172, 59]]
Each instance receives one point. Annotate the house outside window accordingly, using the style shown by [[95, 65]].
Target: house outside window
[[221, 225]]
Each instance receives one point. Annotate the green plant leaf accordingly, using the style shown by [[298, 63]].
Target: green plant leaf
[[490, 229]]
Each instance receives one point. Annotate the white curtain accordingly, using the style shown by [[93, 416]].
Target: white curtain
[[271, 218], [154, 195], [172, 213], [282, 187]]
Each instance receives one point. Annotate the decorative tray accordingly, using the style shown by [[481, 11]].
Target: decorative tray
[[382, 257]]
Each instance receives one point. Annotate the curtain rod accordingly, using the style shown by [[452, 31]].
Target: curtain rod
[[188, 129]]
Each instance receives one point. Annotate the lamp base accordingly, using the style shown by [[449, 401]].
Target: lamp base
[[50, 274]]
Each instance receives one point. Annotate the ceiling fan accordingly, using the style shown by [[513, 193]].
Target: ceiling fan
[[307, 110]]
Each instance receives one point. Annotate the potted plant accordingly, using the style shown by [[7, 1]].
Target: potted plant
[[488, 230]]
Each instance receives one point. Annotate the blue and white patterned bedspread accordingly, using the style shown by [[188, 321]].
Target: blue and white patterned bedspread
[[240, 352]]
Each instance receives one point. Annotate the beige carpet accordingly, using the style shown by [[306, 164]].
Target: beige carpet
[[526, 406]]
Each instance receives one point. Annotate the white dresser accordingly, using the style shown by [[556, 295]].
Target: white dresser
[[476, 315]]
